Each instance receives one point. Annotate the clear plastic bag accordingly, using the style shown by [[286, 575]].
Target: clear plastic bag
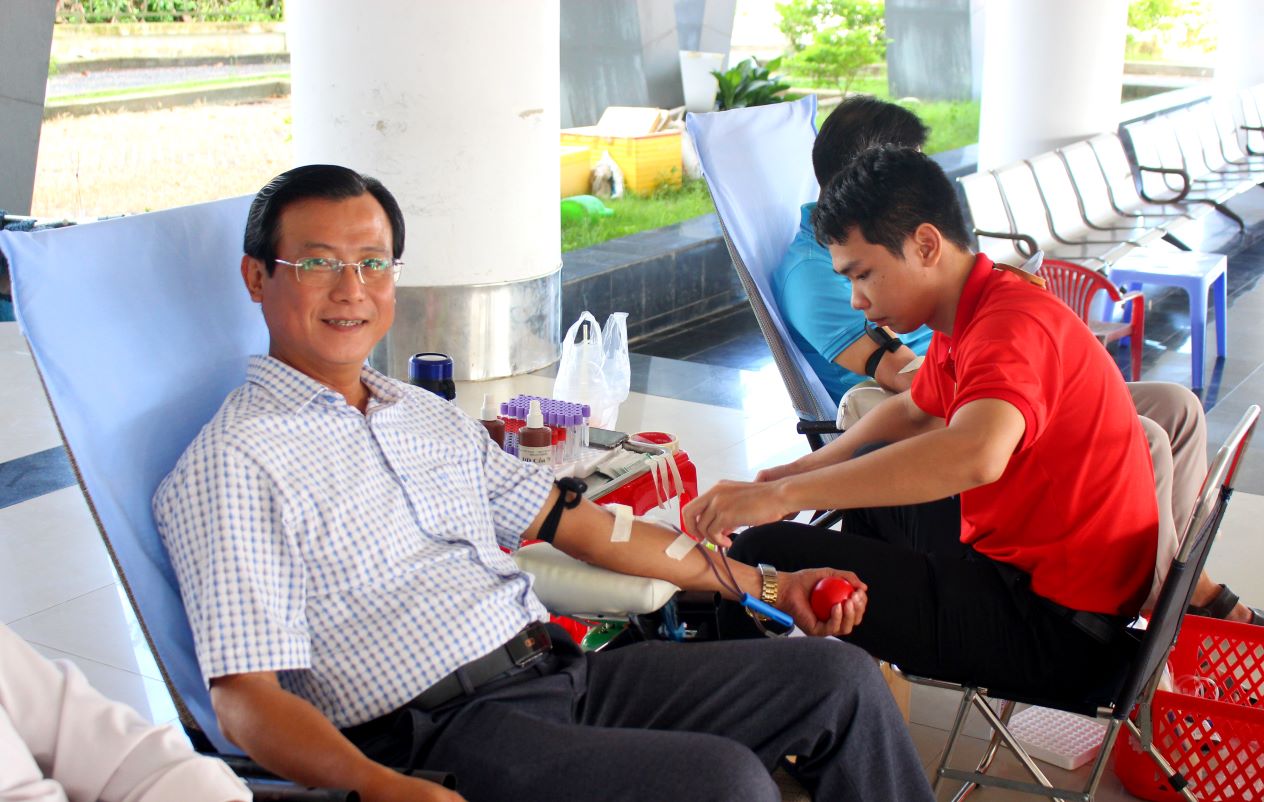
[[594, 368]]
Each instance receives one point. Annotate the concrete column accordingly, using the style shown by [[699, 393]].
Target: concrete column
[[454, 106], [1239, 31], [1052, 74], [26, 37]]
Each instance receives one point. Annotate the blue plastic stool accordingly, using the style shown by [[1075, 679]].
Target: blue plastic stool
[[1196, 273]]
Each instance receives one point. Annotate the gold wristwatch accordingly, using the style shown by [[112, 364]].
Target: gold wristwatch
[[768, 587]]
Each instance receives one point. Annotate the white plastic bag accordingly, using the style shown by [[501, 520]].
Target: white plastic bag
[[607, 178], [594, 368]]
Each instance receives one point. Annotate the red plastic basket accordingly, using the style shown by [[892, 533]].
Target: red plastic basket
[[1215, 739]]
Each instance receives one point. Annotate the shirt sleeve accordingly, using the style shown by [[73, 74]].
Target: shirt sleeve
[[96, 749], [816, 301], [1011, 358], [241, 573], [516, 491]]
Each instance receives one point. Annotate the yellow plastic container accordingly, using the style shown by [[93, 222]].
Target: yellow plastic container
[[648, 161], [576, 169]]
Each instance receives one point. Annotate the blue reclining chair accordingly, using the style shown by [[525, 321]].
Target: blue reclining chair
[[758, 166], [140, 326]]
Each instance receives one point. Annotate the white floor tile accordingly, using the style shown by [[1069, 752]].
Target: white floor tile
[[50, 552], [775, 445], [937, 708], [1238, 552], [148, 697], [27, 424], [99, 626]]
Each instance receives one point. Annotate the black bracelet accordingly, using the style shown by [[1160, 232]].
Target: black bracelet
[[567, 485], [871, 364], [886, 343]]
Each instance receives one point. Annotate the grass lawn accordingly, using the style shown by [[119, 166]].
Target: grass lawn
[[953, 123], [205, 83], [634, 213]]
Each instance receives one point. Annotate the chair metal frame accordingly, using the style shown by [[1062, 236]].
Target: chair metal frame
[[1136, 686]]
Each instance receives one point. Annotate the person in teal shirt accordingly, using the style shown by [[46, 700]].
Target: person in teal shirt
[[815, 301]]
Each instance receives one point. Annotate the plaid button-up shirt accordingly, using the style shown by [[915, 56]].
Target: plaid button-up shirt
[[357, 555]]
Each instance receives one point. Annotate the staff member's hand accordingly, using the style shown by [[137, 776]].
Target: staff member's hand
[[718, 512], [795, 597]]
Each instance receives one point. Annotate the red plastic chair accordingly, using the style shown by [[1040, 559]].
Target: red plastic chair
[[1076, 285]]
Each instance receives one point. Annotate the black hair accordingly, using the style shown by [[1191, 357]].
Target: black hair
[[328, 181], [886, 193], [861, 122]]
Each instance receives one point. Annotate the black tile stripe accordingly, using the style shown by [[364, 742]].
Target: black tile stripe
[[34, 475]]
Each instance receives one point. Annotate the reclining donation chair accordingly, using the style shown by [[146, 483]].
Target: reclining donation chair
[[1136, 684], [758, 166], [140, 326]]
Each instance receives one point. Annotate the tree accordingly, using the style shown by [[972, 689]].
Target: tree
[[831, 41]]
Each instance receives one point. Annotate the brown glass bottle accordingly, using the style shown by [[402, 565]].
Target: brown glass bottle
[[495, 426], [535, 440]]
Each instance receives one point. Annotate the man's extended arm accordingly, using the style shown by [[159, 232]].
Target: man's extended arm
[[584, 533], [895, 419], [289, 737], [973, 451]]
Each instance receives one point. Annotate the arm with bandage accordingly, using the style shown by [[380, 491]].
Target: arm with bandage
[[595, 535]]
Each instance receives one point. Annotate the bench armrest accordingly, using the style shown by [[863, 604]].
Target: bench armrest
[[1165, 171], [1022, 239]]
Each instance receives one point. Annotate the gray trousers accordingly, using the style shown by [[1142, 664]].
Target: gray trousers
[[1176, 431], [662, 721]]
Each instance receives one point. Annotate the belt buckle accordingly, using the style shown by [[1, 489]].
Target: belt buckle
[[529, 645]]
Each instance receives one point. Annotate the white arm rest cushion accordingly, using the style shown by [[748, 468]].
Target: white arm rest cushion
[[858, 401], [568, 586]]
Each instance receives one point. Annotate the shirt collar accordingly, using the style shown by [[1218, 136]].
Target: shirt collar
[[295, 389], [967, 303], [805, 218]]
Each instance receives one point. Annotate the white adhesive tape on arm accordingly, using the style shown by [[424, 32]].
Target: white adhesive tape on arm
[[622, 531], [680, 547]]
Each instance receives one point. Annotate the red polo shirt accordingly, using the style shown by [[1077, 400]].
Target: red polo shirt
[[1075, 507]]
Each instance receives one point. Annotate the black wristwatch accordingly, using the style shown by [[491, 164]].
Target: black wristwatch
[[886, 344]]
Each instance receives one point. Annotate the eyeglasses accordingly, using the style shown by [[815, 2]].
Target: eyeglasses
[[324, 271]]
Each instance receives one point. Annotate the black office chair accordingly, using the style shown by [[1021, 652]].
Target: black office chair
[[1135, 684]]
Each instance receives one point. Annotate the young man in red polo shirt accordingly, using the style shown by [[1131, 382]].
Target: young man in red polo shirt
[[1006, 531]]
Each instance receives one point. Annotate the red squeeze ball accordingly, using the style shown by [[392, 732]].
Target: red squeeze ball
[[829, 591]]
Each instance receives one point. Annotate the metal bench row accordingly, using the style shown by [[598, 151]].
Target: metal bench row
[[1090, 202]]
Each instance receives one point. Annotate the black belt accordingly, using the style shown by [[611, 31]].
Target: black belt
[[1100, 627], [520, 651]]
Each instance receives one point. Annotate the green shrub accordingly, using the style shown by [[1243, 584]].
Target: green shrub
[[748, 84], [169, 10]]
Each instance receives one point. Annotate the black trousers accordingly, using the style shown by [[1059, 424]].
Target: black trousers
[[668, 721], [937, 607]]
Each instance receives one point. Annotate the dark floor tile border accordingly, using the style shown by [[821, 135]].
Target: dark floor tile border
[[34, 475]]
